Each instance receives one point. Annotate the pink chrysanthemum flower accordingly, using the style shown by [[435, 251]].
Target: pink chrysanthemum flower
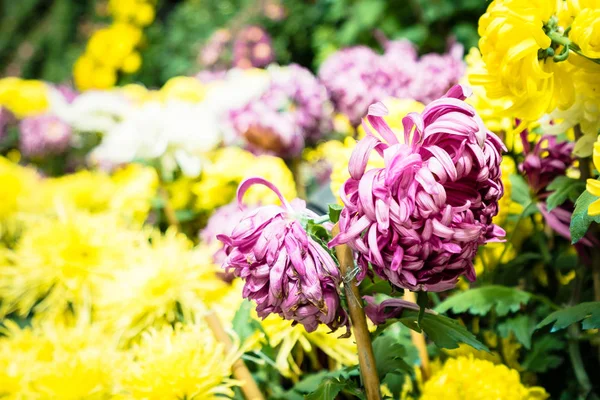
[[420, 219], [43, 135], [285, 271], [293, 111], [252, 48]]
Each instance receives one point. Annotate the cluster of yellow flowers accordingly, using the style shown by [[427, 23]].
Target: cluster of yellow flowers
[[24, 97], [469, 378], [542, 57], [114, 48], [228, 166]]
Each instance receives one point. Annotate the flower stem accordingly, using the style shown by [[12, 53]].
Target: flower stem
[[418, 340], [240, 371], [296, 167], [168, 208], [366, 358]]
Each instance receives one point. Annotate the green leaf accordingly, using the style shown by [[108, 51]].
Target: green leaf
[[580, 221], [376, 286], [445, 332], [521, 326], [588, 312], [563, 188], [519, 190], [185, 215], [243, 323], [423, 302], [481, 300], [334, 212], [541, 358], [327, 390], [389, 356]]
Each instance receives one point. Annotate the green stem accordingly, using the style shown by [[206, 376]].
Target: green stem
[[558, 38]]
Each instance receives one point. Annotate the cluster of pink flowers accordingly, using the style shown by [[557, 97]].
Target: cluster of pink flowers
[[398, 72], [252, 47], [420, 219], [43, 135], [285, 271], [293, 112]]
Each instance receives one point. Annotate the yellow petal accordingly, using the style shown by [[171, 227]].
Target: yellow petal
[[594, 208], [593, 186]]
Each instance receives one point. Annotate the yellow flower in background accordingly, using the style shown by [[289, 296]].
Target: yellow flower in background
[[17, 188], [512, 34], [508, 167], [468, 378], [181, 362], [229, 166], [139, 12], [295, 343], [60, 262], [184, 88], [593, 185], [169, 282], [56, 361], [492, 111], [23, 97], [585, 32]]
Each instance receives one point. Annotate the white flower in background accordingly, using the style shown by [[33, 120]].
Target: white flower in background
[[176, 133], [92, 111], [236, 89]]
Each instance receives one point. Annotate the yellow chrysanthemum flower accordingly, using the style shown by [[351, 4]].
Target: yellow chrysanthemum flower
[[221, 177], [24, 98], [18, 186], [468, 378], [593, 185], [169, 283], [184, 88], [512, 34], [56, 361], [585, 32], [492, 111], [61, 261], [294, 343], [184, 362]]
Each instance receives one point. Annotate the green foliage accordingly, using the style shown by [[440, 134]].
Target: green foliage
[[542, 356], [521, 326], [563, 188], [389, 356], [327, 390], [243, 324], [481, 300], [520, 190], [588, 313], [443, 331], [580, 221], [334, 212]]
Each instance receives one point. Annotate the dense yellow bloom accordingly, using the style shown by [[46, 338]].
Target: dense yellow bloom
[[128, 192], [184, 88], [492, 111], [585, 32], [511, 35], [24, 98], [60, 262], [295, 343], [229, 166], [169, 282], [56, 361], [184, 362], [593, 185], [17, 187], [139, 12], [467, 378]]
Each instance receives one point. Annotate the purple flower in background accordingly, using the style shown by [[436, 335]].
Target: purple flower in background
[[252, 48], [285, 271], [67, 92], [420, 219], [355, 78], [545, 161], [213, 50], [293, 111], [436, 73], [43, 135]]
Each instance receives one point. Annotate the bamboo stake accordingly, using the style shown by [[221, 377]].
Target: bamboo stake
[[366, 359]]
